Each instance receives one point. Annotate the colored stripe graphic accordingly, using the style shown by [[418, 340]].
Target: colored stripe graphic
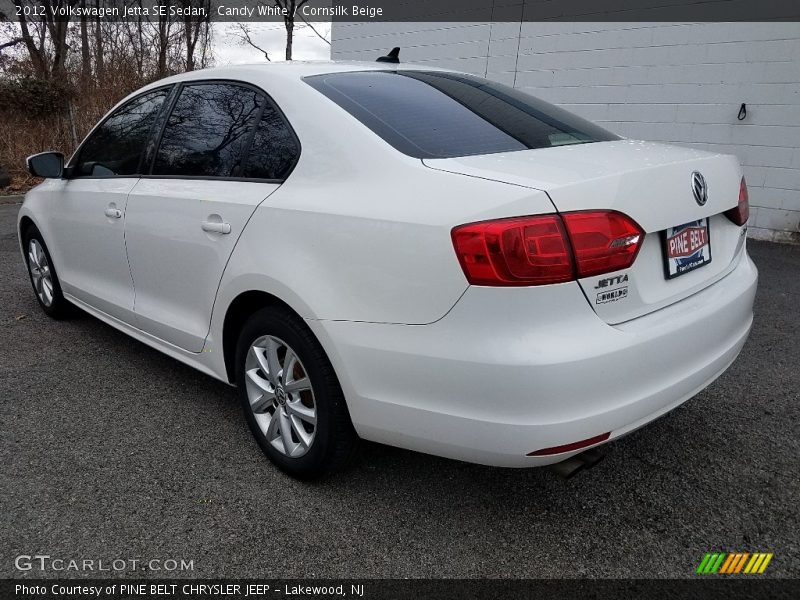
[[733, 563]]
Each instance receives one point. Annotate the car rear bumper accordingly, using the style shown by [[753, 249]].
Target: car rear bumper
[[509, 371]]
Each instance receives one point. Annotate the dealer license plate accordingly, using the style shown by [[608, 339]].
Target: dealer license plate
[[686, 248]]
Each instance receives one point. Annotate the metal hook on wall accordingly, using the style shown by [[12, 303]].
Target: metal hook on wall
[[742, 112]]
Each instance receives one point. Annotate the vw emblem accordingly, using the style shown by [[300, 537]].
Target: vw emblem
[[699, 188], [280, 394]]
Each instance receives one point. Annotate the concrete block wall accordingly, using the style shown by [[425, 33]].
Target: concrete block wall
[[680, 83]]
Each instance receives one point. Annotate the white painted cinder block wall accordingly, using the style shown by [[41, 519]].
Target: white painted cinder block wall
[[681, 83]]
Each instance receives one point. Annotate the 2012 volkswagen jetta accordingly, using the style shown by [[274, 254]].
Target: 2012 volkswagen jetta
[[412, 256]]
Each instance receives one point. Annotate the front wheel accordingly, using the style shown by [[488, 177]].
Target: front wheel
[[43, 275], [291, 397]]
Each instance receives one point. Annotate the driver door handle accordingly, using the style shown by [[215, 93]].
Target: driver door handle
[[113, 213], [216, 227]]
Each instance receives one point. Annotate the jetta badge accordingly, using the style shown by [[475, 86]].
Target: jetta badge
[[699, 188]]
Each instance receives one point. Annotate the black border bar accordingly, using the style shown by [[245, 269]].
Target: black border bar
[[453, 11], [702, 588]]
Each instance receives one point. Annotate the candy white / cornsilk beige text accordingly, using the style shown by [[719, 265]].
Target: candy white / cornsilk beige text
[[306, 11]]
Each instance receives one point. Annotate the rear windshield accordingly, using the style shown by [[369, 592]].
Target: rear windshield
[[434, 114]]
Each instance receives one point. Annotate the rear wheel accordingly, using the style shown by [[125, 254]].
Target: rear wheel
[[43, 275], [291, 397]]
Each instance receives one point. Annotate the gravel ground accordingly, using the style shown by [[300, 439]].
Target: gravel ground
[[112, 450]]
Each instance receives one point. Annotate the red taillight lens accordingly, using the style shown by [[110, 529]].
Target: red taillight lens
[[570, 447], [603, 241], [518, 251], [546, 249], [741, 213]]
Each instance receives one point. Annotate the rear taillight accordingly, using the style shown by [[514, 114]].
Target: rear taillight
[[546, 249], [741, 212], [519, 251], [603, 241]]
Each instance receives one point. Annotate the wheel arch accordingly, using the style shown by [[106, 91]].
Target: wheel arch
[[241, 308], [25, 223]]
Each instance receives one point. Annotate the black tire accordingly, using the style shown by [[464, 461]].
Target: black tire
[[58, 308], [335, 440]]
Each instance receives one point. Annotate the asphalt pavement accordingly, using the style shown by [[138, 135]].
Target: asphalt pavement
[[110, 450]]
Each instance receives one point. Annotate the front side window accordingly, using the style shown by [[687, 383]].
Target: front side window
[[437, 114], [208, 130], [115, 147]]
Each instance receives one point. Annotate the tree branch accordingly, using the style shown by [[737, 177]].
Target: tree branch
[[13, 42], [244, 36], [322, 37]]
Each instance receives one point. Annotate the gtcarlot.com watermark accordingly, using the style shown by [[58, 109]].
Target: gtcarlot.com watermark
[[47, 563]]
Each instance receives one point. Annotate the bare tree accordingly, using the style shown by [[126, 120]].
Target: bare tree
[[134, 35], [59, 76], [34, 36], [58, 28], [99, 55], [195, 27], [164, 26], [206, 54], [291, 11], [86, 63], [290, 8]]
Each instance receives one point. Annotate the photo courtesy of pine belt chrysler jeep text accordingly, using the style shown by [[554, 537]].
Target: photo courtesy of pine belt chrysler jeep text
[[407, 255]]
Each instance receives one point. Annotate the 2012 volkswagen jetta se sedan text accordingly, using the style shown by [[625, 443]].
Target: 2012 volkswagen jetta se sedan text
[[412, 256]]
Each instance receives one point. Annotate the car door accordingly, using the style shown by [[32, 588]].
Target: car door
[[225, 147], [88, 212]]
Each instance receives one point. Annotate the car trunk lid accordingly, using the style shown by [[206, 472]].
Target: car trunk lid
[[651, 183]]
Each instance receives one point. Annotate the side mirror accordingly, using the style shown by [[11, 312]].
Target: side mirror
[[46, 164]]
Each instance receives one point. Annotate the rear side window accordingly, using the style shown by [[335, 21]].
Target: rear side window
[[274, 150], [208, 131], [429, 114], [115, 147]]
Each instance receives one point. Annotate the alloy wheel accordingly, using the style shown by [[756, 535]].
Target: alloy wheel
[[281, 396], [40, 272]]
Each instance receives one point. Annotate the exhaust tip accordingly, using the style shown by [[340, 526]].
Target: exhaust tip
[[591, 457], [567, 468], [575, 464]]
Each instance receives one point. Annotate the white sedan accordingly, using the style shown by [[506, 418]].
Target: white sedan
[[406, 255]]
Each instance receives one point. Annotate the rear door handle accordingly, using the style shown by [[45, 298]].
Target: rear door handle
[[216, 227], [113, 213]]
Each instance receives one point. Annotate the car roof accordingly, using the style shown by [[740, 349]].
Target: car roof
[[318, 67], [290, 70], [289, 73]]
